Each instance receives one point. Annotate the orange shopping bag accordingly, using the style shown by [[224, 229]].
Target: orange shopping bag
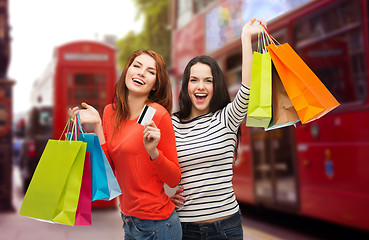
[[309, 96]]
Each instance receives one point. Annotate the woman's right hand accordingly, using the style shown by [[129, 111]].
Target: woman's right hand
[[88, 115]]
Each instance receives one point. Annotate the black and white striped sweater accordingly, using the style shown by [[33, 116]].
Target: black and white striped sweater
[[205, 147]]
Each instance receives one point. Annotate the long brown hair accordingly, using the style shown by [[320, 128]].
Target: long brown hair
[[162, 93]]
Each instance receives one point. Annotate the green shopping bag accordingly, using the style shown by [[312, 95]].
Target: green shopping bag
[[54, 190], [259, 112]]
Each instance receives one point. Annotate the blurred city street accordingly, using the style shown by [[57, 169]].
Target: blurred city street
[[295, 177], [106, 224]]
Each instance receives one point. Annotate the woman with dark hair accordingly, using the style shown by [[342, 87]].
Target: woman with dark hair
[[143, 157], [206, 127]]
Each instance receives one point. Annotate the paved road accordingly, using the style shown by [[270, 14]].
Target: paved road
[[106, 225]]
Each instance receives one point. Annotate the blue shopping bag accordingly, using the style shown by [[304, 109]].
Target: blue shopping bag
[[114, 189], [104, 185]]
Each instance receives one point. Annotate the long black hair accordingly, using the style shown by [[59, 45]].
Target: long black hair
[[220, 97]]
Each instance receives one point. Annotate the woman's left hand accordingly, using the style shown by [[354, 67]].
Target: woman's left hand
[[151, 138]]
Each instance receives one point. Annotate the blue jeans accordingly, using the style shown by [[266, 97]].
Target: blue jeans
[[229, 228], [136, 228]]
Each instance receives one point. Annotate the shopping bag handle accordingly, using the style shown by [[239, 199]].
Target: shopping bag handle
[[263, 41], [270, 37], [259, 49], [74, 128], [80, 128], [66, 126]]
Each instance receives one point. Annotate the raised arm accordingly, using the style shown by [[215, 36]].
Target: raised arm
[[247, 31], [236, 111]]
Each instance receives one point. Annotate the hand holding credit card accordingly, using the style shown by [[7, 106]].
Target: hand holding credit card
[[146, 115]]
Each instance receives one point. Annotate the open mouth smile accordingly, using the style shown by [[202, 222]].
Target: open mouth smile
[[138, 81], [200, 97]]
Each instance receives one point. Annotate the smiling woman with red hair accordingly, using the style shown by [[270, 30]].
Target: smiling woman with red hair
[[143, 157]]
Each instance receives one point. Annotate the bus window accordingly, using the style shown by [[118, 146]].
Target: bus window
[[233, 74], [331, 44], [184, 12], [281, 35], [201, 5]]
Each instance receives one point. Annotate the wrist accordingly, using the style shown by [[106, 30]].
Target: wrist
[[154, 155], [97, 127], [246, 35], [97, 124]]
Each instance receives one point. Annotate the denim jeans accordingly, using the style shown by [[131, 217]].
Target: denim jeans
[[229, 228], [136, 228]]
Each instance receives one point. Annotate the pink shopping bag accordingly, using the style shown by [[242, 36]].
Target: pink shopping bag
[[83, 213]]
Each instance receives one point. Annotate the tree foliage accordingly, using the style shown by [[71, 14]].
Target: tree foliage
[[155, 34]]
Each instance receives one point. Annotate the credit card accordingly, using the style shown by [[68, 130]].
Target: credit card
[[146, 115]]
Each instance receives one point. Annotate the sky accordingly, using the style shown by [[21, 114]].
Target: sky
[[38, 26]]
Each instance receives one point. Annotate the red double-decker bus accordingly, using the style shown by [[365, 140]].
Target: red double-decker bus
[[319, 169], [79, 71]]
